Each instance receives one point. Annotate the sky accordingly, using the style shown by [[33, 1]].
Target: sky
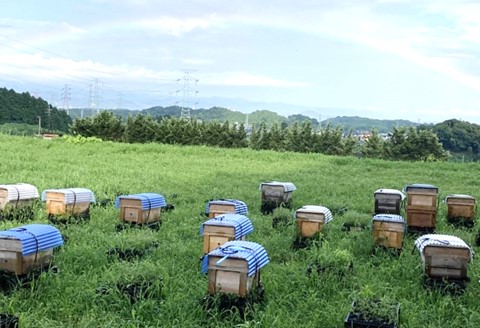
[[386, 59]]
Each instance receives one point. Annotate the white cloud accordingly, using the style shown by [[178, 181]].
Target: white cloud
[[248, 79], [174, 26], [198, 61]]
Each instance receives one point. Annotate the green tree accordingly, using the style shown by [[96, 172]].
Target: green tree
[[373, 146]]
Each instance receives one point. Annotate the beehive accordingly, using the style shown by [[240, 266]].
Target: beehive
[[311, 218], [17, 195], [28, 247], [234, 268], [444, 256], [388, 201], [460, 207], [224, 228], [224, 206], [71, 201], [275, 194], [421, 206], [388, 230], [140, 208]]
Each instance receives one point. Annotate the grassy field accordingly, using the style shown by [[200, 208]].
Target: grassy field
[[189, 176]]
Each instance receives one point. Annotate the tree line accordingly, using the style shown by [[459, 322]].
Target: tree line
[[404, 143]]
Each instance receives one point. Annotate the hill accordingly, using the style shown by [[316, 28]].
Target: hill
[[22, 108], [356, 123]]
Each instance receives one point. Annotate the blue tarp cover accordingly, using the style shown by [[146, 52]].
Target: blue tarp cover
[[149, 200], [255, 255], [243, 226], [34, 237]]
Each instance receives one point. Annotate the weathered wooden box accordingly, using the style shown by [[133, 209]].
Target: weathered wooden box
[[444, 256], [460, 206], [72, 201], [28, 248], [225, 206], [275, 194], [388, 230], [224, 228], [234, 268], [17, 196], [140, 208], [388, 201], [311, 218], [421, 206]]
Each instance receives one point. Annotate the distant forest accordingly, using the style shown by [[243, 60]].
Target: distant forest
[[22, 114]]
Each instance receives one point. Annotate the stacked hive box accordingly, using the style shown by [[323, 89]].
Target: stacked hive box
[[460, 208], [388, 230], [224, 206], [235, 267], [311, 218], [388, 201], [70, 201], [14, 197], [140, 208], [275, 194], [444, 256], [421, 206], [224, 228], [28, 247]]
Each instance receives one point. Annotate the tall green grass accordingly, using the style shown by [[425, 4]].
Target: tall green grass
[[187, 177]]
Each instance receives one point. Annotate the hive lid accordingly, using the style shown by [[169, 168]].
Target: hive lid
[[441, 240], [317, 209], [459, 196], [20, 191], [242, 225], [388, 218], [287, 186], [390, 191], [254, 254], [34, 237], [419, 186], [240, 206], [73, 195], [149, 200]]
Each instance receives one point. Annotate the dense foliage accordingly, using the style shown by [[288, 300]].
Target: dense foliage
[[404, 144], [86, 290], [26, 109]]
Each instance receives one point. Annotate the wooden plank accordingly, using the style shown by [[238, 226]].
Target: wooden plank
[[310, 216], [16, 263], [10, 244], [422, 199]]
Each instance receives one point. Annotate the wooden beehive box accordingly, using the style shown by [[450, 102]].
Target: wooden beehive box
[[388, 230], [39, 248], [444, 256], [311, 219], [460, 206], [239, 272], [275, 194], [56, 205], [421, 219], [388, 201], [216, 209], [224, 228], [131, 210], [421, 197]]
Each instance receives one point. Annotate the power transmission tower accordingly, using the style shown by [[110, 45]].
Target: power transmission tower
[[93, 96], [188, 91], [66, 98]]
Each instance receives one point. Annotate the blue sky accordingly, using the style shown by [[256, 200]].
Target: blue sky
[[387, 59]]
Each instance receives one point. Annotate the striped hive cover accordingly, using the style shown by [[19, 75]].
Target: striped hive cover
[[73, 195], [390, 191], [287, 186], [441, 240], [149, 200], [388, 218], [242, 225], [419, 186], [240, 207], [20, 191], [34, 237], [255, 255], [317, 209], [459, 196]]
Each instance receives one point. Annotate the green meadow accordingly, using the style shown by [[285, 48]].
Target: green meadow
[[189, 176]]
